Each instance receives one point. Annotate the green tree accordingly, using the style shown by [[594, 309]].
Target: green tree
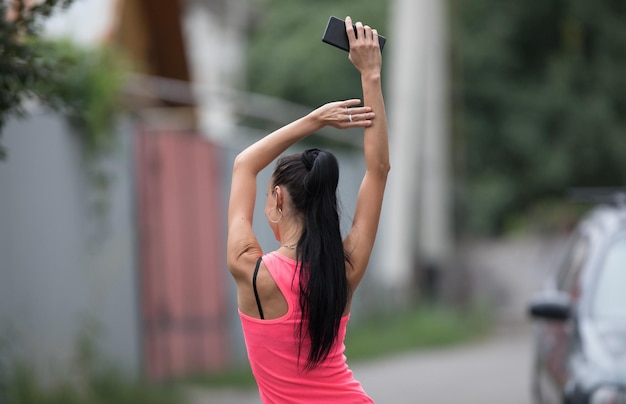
[[540, 102], [22, 67], [287, 58], [81, 84], [538, 89]]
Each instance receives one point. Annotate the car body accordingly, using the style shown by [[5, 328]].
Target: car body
[[580, 333]]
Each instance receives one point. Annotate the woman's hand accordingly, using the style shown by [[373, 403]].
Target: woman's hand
[[364, 48], [344, 114]]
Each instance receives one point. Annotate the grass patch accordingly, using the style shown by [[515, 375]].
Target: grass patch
[[424, 327], [90, 379], [102, 387], [239, 377]]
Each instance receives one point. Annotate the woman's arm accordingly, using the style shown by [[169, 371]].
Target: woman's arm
[[366, 57], [242, 246]]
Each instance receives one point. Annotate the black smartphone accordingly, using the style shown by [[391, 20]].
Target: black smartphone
[[335, 34]]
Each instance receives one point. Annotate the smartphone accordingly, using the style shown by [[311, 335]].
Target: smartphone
[[335, 34]]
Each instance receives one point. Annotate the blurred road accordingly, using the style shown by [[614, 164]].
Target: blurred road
[[495, 370], [492, 371]]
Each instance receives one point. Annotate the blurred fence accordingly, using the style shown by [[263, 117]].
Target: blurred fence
[[181, 254], [144, 280], [66, 272]]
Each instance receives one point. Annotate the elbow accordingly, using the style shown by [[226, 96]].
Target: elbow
[[380, 171], [246, 162], [231, 262], [383, 168], [242, 165], [239, 161]]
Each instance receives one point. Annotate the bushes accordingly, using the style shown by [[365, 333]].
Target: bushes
[[91, 381]]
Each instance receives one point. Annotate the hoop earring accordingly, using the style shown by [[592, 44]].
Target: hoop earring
[[269, 214]]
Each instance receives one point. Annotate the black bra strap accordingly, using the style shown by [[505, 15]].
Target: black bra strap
[[256, 294]]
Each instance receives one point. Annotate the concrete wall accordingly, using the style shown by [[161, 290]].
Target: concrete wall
[[63, 268]]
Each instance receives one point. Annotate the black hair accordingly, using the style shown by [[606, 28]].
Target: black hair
[[311, 180]]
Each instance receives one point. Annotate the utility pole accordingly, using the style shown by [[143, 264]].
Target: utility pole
[[435, 239], [416, 218]]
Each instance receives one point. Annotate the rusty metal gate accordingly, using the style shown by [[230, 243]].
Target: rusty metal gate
[[181, 250]]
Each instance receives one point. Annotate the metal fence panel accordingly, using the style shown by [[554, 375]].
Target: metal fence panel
[[182, 274]]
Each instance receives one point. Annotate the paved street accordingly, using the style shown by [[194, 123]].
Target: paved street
[[492, 371]]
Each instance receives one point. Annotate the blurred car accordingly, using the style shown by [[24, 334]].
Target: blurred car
[[580, 340]]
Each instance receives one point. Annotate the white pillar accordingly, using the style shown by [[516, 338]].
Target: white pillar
[[415, 217], [435, 211], [405, 72]]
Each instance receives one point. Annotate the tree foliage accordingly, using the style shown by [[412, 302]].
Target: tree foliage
[[541, 102], [539, 92], [81, 84], [22, 66], [288, 59], [86, 91]]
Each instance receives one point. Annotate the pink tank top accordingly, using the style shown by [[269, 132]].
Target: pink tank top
[[273, 352]]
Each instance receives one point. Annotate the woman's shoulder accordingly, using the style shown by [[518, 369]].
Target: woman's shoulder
[[242, 267], [278, 258]]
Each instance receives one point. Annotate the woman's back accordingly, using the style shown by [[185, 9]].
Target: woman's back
[[273, 351]]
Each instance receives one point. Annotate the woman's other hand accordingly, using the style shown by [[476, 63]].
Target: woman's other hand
[[364, 48], [344, 114]]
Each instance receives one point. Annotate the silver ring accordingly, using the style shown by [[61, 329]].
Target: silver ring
[[350, 118]]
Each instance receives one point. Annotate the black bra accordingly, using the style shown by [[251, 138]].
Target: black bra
[[256, 294]]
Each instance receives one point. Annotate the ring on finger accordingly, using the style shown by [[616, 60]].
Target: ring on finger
[[350, 117]]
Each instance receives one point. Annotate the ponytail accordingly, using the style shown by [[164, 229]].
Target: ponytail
[[312, 182], [323, 283]]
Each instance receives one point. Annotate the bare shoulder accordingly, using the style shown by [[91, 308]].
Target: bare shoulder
[[242, 267]]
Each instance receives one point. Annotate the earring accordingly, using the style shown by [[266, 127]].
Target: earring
[[269, 214]]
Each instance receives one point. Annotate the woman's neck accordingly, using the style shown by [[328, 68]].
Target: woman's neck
[[289, 234]]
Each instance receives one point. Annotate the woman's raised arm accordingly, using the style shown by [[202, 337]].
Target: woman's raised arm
[[366, 56]]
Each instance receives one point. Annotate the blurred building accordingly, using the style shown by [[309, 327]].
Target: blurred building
[[188, 68], [145, 282]]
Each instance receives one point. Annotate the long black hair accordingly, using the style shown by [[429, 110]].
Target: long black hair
[[311, 179]]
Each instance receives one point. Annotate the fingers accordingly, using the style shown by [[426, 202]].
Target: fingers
[[350, 103], [348, 114], [367, 32], [358, 120], [358, 110], [362, 32], [350, 107], [358, 117], [350, 30]]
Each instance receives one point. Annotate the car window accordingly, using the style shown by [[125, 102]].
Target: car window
[[609, 297], [569, 272]]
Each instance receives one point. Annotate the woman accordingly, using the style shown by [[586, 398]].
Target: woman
[[294, 303]]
